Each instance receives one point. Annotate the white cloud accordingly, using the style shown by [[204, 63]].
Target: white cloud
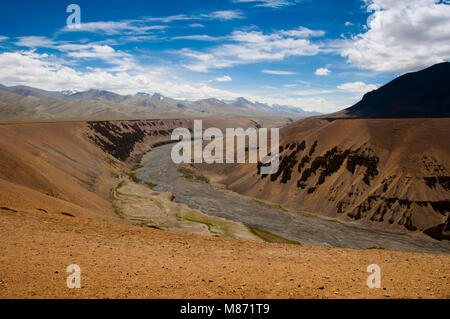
[[114, 27], [268, 3], [348, 24], [402, 36], [249, 47], [35, 41], [46, 72], [214, 15], [196, 25], [42, 71], [357, 87], [142, 26], [3, 38], [322, 72], [224, 15], [201, 37], [303, 32], [225, 78], [278, 72]]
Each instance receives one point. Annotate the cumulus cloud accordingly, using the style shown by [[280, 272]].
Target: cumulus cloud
[[225, 78], [120, 61], [43, 71], [278, 72], [35, 42], [322, 72], [402, 36], [357, 87], [249, 47]]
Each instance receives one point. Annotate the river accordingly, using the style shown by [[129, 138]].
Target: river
[[159, 169]]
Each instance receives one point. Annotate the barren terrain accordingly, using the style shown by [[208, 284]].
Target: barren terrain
[[56, 210]]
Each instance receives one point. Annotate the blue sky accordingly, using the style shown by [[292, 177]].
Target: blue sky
[[317, 55]]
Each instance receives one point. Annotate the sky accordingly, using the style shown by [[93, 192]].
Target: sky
[[320, 55]]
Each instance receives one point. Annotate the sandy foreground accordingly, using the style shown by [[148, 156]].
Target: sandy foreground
[[126, 261]]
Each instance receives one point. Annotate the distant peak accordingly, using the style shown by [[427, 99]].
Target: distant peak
[[142, 94], [158, 96], [69, 92]]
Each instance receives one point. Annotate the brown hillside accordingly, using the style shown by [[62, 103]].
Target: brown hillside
[[55, 211], [388, 173]]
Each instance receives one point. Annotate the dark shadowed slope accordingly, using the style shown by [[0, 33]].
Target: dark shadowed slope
[[424, 93]]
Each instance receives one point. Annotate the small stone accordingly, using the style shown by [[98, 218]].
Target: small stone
[[321, 288]]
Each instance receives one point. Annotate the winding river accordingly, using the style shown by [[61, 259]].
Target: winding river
[[159, 169]]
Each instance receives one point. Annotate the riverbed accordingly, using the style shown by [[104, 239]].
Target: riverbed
[[158, 169]]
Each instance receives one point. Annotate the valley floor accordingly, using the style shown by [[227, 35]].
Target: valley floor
[[55, 210]]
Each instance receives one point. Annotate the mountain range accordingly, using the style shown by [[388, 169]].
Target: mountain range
[[27, 103]]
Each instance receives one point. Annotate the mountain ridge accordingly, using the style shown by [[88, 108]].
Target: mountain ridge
[[425, 93], [28, 103]]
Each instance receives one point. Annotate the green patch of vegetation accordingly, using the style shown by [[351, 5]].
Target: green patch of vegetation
[[272, 238], [191, 175], [221, 227], [375, 248], [118, 210], [270, 204], [134, 178], [121, 184], [445, 243], [150, 185]]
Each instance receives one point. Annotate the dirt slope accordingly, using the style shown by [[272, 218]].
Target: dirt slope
[[55, 182], [122, 261], [388, 173]]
